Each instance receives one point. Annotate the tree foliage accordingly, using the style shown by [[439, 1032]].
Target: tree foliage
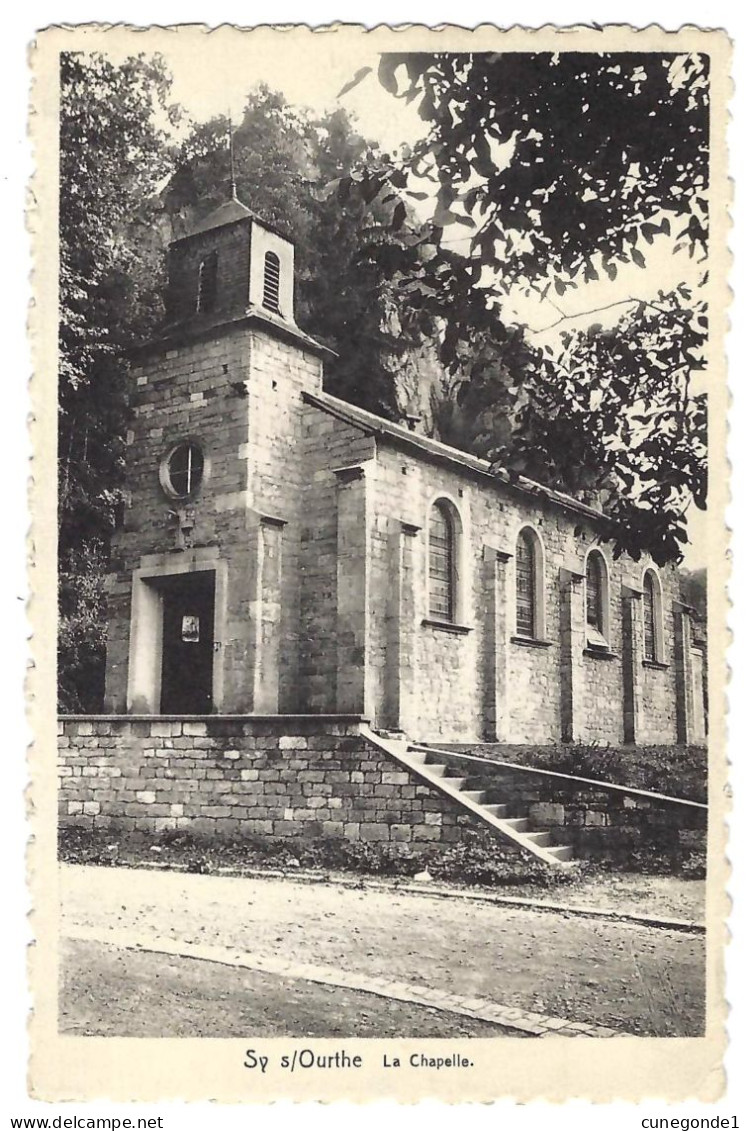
[[82, 636], [613, 415], [112, 154], [555, 159], [540, 173]]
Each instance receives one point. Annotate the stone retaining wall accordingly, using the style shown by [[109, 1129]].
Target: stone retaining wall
[[603, 821], [282, 776], [318, 776]]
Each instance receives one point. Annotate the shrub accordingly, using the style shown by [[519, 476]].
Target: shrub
[[478, 859], [679, 771]]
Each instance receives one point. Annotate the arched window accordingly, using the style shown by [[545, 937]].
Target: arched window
[[207, 279], [597, 601], [528, 612], [271, 281], [442, 565], [653, 649]]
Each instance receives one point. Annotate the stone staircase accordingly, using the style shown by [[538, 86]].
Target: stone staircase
[[484, 803]]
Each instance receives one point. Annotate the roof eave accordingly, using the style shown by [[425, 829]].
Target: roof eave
[[443, 453], [250, 218], [192, 330]]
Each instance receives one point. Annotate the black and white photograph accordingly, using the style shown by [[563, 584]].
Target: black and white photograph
[[390, 560]]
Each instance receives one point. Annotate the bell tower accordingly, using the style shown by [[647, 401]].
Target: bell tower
[[229, 265], [203, 594]]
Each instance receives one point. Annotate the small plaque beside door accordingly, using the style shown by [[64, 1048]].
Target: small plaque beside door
[[191, 629]]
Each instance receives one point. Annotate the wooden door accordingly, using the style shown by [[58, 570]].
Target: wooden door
[[188, 645]]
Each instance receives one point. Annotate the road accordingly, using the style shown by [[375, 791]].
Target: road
[[634, 979], [109, 991]]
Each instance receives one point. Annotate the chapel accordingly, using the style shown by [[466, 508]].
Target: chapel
[[284, 552]]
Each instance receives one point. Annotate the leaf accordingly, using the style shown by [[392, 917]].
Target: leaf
[[638, 257], [426, 108], [360, 74], [344, 189], [387, 72], [483, 162], [370, 188], [443, 217]]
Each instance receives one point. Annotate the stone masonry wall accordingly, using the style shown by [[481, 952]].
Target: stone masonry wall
[[606, 823], [239, 395], [281, 777], [277, 476], [449, 697], [329, 444], [180, 392], [232, 243]]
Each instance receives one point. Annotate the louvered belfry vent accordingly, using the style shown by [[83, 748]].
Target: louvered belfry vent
[[208, 271], [271, 282]]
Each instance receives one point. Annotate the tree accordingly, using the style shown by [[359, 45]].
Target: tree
[[554, 170], [112, 154]]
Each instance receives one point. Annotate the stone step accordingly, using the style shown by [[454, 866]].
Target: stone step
[[475, 795], [519, 824], [498, 811], [478, 795], [541, 840]]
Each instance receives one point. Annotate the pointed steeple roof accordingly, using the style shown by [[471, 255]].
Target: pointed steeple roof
[[227, 213]]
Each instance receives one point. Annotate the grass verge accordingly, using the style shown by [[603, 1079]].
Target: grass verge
[[477, 860]]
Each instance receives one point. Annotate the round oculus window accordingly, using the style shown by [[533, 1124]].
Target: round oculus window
[[182, 469]]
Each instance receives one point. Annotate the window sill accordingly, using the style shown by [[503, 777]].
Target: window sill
[[446, 626], [600, 653], [657, 665], [530, 642]]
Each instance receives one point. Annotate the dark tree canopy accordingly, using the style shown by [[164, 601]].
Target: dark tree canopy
[[112, 155], [537, 174], [558, 158]]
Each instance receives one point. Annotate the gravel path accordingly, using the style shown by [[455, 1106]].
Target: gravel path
[[636, 979], [108, 992], [630, 893]]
